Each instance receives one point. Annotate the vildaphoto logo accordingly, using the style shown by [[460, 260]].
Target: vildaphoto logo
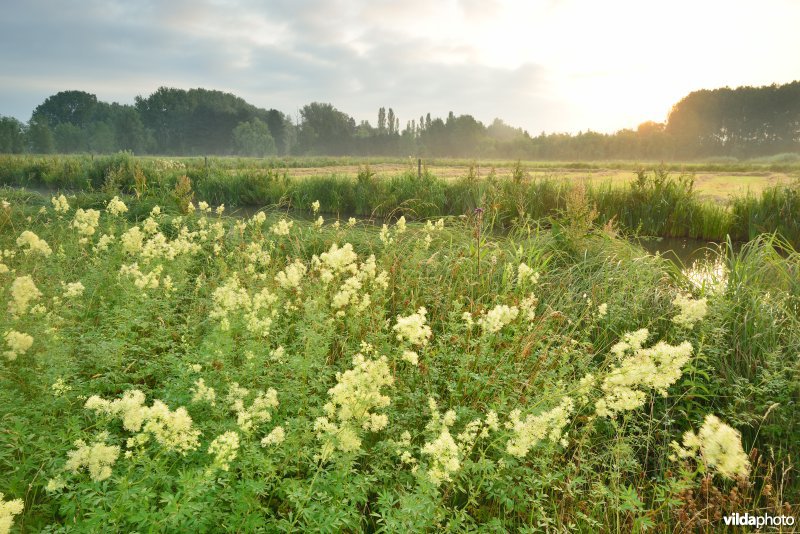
[[758, 521]]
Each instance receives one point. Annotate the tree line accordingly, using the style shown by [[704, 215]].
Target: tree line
[[741, 122]]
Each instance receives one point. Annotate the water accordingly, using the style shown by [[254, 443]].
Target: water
[[682, 251]]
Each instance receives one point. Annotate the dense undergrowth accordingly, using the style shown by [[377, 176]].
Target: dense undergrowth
[[170, 369], [656, 203]]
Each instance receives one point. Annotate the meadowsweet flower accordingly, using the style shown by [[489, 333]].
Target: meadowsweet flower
[[116, 207], [97, 458], [4, 268], [319, 222], [73, 289], [132, 240], [411, 357], [692, 310], [224, 448], [718, 445], [292, 275], [142, 280], [56, 483], [602, 310], [103, 243], [498, 317], [34, 243], [384, 236], [535, 428], [60, 388], [8, 509], [18, 343], [631, 341], [282, 227], [351, 222], [528, 307], [467, 318], [86, 221], [204, 207], [23, 292], [413, 328], [60, 204], [171, 429], [657, 367], [315, 206], [203, 393], [443, 451], [220, 209], [275, 437], [356, 393], [400, 225], [248, 417], [526, 275], [150, 225]]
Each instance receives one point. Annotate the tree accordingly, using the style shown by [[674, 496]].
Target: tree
[[72, 107], [12, 136], [40, 137], [325, 130], [253, 138]]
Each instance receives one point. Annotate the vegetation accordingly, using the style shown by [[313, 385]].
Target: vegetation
[[166, 368], [727, 124], [656, 203]]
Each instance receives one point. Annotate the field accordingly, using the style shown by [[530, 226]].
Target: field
[[168, 368]]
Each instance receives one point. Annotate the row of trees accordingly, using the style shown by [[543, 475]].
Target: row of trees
[[742, 122]]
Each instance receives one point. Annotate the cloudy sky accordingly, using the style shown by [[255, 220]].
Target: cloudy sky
[[545, 65]]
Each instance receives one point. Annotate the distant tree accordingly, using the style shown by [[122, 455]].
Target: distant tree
[[72, 107], [70, 138], [12, 136], [381, 121], [391, 120], [40, 137], [325, 130], [253, 138]]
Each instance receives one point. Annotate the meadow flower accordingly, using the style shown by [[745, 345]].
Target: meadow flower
[[526, 275], [60, 204], [319, 222], [351, 222], [34, 243], [86, 221], [535, 428], [97, 458], [411, 357], [356, 393], [8, 509], [132, 240], [498, 317], [282, 227], [18, 343], [443, 451], [718, 445], [60, 388], [692, 310], [103, 243], [657, 367], [400, 225], [116, 207], [413, 328], [220, 209], [248, 417], [292, 275], [23, 292], [276, 437], [72, 289], [224, 448], [202, 393], [315, 206]]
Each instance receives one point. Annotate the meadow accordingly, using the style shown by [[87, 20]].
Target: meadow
[[166, 367]]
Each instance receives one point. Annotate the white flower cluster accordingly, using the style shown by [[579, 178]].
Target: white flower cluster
[[443, 451], [498, 317], [352, 401], [224, 449], [23, 292], [116, 207], [232, 300], [657, 367], [275, 437], [73, 289], [171, 429], [202, 393], [86, 221], [97, 458], [8, 509], [412, 329], [292, 275], [151, 280], [34, 243], [718, 445], [526, 275], [248, 417], [60, 204], [692, 310], [534, 428], [282, 227], [18, 343]]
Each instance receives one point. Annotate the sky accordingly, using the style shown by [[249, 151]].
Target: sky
[[543, 65]]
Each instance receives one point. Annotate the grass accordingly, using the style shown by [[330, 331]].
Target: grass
[[240, 304]]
